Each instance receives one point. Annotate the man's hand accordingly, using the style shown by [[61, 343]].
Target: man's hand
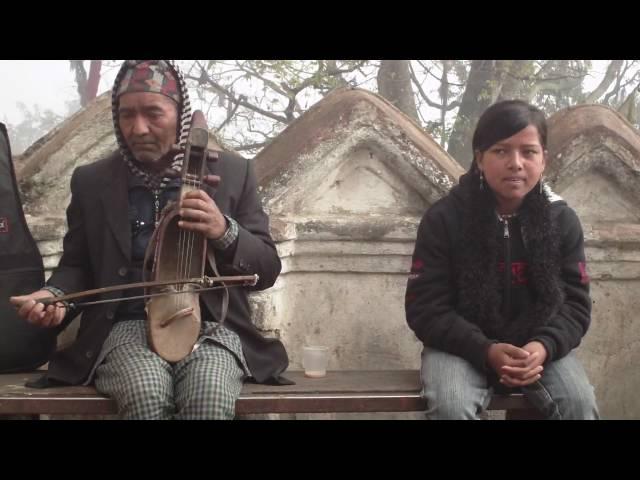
[[201, 214], [532, 372], [35, 312]]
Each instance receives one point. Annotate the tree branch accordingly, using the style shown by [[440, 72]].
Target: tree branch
[[423, 94], [230, 114], [205, 78], [251, 146], [274, 86], [616, 89], [612, 70], [428, 70]]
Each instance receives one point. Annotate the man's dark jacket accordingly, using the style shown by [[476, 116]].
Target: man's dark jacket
[[97, 253]]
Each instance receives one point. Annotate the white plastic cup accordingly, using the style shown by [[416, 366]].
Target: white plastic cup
[[314, 361]]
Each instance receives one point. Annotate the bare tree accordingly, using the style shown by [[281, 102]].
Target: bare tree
[[77, 66], [482, 89], [394, 83], [249, 102], [87, 85], [612, 71], [261, 97]]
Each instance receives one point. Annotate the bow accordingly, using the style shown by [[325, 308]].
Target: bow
[[203, 284]]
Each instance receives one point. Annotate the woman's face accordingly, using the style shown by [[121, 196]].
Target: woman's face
[[512, 167]]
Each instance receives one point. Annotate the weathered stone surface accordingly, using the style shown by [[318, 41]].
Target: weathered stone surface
[[594, 161], [611, 350], [346, 185], [354, 152], [595, 165], [83, 138]]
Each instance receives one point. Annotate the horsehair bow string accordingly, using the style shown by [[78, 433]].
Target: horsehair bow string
[[204, 284]]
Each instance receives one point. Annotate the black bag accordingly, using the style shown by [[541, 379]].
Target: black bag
[[23, 346]]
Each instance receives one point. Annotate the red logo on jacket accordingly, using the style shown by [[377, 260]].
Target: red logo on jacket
[[518, 272], [417, 267], [584, 276], [4, 225]]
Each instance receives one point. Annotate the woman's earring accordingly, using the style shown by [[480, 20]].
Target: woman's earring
[[540, 184], [481, 180]]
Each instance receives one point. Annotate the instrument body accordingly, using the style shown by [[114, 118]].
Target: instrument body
[[174, 320]]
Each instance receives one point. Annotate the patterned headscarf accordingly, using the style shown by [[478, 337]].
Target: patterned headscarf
[[150, 76], [157, 76]]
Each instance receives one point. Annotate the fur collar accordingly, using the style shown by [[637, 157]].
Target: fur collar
[[480, 251]]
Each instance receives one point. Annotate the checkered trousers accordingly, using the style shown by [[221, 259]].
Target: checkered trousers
[[203, 385]]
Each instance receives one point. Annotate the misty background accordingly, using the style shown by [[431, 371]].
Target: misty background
[[249, 102]]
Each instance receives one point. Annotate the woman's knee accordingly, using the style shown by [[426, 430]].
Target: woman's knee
[[452, 387], [566, 392], [579, 404], [452, 408]]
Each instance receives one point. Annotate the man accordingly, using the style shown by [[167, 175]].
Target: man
[[114, 208]]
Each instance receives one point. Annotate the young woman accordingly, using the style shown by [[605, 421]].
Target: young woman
[[498, 291]]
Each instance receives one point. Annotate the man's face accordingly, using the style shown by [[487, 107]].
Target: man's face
[[149, 121]]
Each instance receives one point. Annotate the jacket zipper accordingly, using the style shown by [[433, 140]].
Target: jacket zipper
[[507, 269], [156, 206]]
